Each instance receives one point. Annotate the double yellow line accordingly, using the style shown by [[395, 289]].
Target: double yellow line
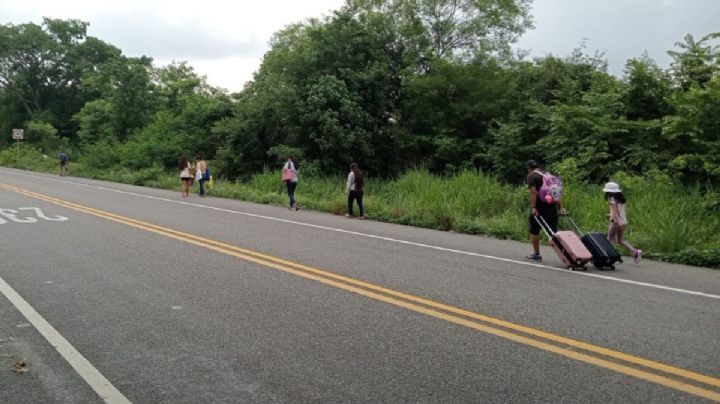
[[669, 376]]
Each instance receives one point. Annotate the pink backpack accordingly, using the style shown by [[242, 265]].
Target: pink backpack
[[552, 188]]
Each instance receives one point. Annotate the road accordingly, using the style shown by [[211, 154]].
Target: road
[[129, 294]]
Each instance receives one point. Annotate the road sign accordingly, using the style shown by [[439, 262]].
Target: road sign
[[18, 134]]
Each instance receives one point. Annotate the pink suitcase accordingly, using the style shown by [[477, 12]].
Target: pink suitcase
[[568, 246]]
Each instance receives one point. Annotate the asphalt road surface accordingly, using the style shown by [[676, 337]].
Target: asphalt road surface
[[129, 294]]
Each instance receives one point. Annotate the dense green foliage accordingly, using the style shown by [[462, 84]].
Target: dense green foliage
[[70, 91], [392, 84]]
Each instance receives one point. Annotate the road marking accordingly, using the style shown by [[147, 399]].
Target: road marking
[[82, 366], [606, 358], [11, 214], [383, 238]]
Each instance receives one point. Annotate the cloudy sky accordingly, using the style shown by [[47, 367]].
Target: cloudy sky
[[225, 40]]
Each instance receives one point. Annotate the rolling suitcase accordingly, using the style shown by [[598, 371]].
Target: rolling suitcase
[[603, 252], [567, 246], [604, 255]]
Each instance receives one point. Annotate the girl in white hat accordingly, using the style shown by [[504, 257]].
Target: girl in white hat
[[618, 219]]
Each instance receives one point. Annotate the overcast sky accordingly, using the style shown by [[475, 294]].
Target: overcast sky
[[225, 41]]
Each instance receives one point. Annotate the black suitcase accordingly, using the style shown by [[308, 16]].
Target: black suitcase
[[604, 254]]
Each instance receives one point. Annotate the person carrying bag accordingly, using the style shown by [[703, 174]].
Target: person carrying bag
[[290, 177]]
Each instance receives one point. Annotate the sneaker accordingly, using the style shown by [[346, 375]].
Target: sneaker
[[361, 217], [638, 255], [535, 257], [347, 215]]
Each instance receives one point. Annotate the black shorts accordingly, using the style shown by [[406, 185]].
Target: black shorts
[[549, 213]]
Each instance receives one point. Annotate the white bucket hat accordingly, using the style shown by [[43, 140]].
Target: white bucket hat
[[612, 187]]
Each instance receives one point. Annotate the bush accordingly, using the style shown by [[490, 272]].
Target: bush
[[28, 158]]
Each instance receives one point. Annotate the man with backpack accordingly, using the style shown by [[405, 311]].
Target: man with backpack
[[545, 202], [63, 163]]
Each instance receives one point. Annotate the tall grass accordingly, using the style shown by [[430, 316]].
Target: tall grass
[[668, 220]]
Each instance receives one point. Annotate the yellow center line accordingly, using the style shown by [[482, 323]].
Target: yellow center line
[[427, 307]]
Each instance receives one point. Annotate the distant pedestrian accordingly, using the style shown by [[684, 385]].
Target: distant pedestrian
[[185, 176], [290, 177], [201, 173], [64, 161], [618, 218], [354, 190], [547, 207]]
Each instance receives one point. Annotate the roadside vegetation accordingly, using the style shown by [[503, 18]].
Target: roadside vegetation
[[392, 85], [668, 220]]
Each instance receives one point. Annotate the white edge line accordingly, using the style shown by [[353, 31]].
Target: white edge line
[[82, 366], [355, 233]]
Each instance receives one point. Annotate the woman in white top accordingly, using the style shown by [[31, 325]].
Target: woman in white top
[[354, 189], [292, 166], [185, 176], [618, 218]]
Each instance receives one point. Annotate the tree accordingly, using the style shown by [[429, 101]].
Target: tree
[[592, 131], [323, 84], [95, 123], [449, 29], [693, 132], [697, 61], [46, 136], [450, 109], [646, 102], [176, 110], [41, 70], [648, 89], [126, 84], [339, 127]]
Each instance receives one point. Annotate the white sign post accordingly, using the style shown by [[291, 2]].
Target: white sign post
[[18, 135]]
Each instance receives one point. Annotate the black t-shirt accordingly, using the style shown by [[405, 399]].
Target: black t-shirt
[[535, 179]]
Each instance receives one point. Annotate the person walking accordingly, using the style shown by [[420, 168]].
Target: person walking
[[354, 190], [290, 177], [185, 176], [540, 208], [64, 160], [201, 173], [618, 218]]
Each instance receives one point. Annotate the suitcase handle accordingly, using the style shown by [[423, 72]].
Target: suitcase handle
[[545, 226], [566, 216]]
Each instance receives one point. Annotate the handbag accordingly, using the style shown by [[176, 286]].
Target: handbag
[[287, 174]]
